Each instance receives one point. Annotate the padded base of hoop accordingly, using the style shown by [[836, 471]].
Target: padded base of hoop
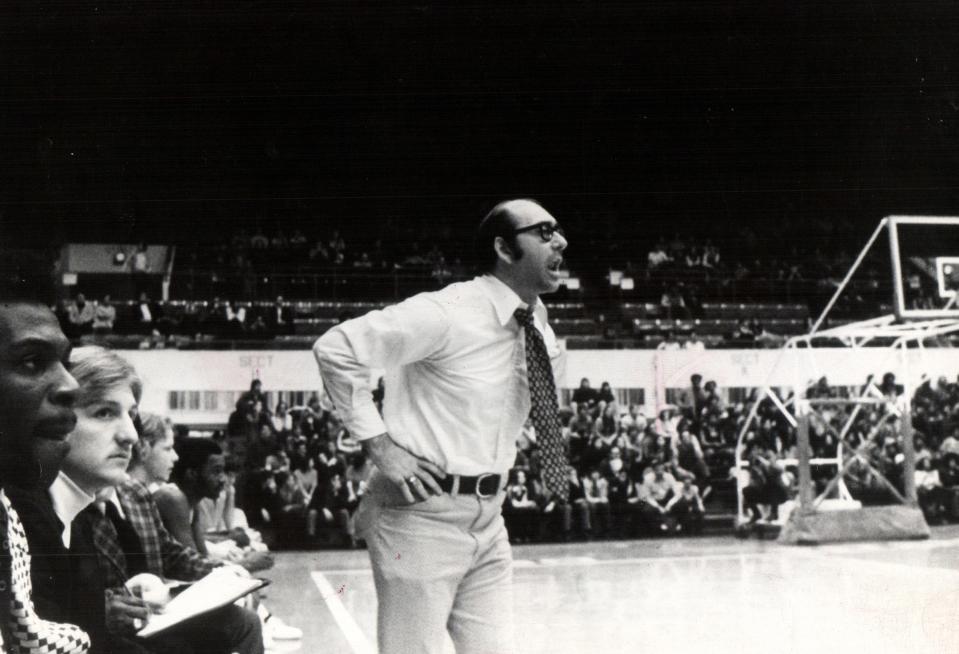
[[896, 522]]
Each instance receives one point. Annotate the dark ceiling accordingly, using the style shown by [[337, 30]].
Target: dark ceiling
[[174, 118]]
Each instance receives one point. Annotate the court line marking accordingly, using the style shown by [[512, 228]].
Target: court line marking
[[351, 631], [583, 561], [828, 550]]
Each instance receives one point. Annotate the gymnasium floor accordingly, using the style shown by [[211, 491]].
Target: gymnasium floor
[[710, 595]]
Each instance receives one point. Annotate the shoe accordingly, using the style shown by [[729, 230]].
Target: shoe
[[279, 630]]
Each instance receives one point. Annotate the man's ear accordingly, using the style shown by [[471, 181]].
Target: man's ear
[[503, 250]]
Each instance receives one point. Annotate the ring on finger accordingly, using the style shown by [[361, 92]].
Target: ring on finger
[[412, 479], [137, 623]]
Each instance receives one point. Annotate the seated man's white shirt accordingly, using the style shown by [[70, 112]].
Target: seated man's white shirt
[[68, 501], [455, 362]]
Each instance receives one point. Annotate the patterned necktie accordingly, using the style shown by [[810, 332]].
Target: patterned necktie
[[545, 409]]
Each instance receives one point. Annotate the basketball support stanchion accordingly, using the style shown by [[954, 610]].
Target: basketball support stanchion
[[811, 523], [824, 519]]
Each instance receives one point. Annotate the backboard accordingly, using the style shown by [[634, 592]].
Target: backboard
[[925, 266]]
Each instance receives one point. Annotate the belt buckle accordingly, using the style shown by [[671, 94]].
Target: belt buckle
[[479, 483]]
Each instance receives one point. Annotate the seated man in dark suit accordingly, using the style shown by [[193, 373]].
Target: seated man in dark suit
[[36, 397]]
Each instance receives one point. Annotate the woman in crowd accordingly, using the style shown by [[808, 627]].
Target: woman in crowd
[[282, 421]]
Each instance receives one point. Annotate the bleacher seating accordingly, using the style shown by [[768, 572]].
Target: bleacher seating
[[313, 326], [643, 324], [755, 311], [574, 326], [566, 310]]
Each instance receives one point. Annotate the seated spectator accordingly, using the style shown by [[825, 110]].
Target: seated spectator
[[262, 449], [673, 304], [104, 316], [949, 470], [198, 473], [221, 518], [744, 332], [657, 256], [585, 395], [279, 320], [332, 506], [606, 394], [243, 426], [686, 507], [766, 487], [669, 342], [80, 316], [652, 498], [690, 462], [596, 489], [282, 422], [255, 394], [520, 511], [619, 490], [577, 506], [146, 315], [304, 474], [28, 412], [291, 519], [933, 498], [694, 343], [358, 472], [329, 461]]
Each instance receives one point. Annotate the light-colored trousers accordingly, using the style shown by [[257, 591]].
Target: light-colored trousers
[[440, 566]]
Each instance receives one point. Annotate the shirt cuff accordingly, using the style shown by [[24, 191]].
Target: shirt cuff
[[365, 423]]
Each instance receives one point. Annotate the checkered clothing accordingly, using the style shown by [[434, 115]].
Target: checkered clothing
[[165, 556], [30, 634]]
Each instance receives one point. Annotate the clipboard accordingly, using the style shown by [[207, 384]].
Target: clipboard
[[214, 591]]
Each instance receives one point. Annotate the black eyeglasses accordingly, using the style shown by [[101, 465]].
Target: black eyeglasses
[[546, 230]]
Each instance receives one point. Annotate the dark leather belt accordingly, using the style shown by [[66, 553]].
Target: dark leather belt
[[483, 486]]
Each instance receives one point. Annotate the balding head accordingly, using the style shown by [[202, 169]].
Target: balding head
[[500, 222]]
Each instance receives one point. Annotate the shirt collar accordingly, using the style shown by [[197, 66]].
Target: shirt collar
[[68, 501], [110, 495], [506, 301]]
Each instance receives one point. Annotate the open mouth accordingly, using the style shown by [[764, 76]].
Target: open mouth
[[554, 265]]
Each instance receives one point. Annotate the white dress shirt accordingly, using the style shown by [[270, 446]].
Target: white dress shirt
[[68, 501], [455, 362]]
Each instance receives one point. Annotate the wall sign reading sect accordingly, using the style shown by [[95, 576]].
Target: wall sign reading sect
[[256, 361]]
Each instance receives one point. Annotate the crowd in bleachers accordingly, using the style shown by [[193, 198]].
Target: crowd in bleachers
[[872, 448], [302, 476]]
